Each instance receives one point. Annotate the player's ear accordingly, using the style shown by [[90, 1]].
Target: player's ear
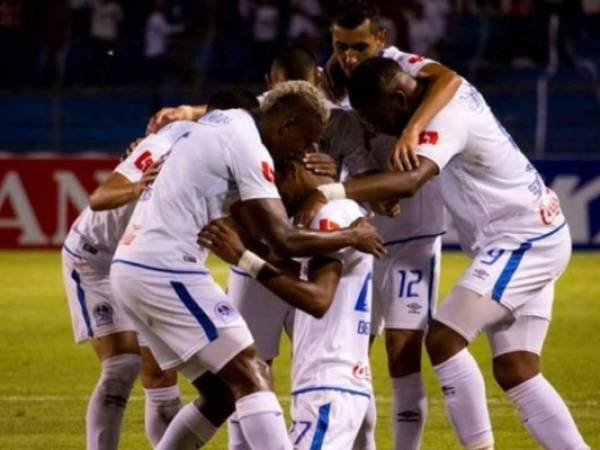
[[268, 81], [399, 99], [382, 36]]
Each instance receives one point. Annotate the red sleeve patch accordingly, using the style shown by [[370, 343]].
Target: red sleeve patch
[[328, 225], [144, 161], [429, 137], [415, 59], [268, 172]]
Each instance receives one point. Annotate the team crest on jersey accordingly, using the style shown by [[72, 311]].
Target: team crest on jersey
[[103, 314], [328, 225], [225, 311]]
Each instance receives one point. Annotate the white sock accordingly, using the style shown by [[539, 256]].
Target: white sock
[[464, 395], [162, 404], [409, 411], [107, 403], [237, 440], [365, 438], [546, 416], [189, 430], [261, 419]]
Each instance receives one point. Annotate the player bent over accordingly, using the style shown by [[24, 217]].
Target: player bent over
[[511, 226], [331, 383], [159, 274], [98, 318]]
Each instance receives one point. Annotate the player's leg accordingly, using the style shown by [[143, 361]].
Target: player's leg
[[517, 346], [409, 285], [462, 317], [161, 390], [266, 317], [98, 318]]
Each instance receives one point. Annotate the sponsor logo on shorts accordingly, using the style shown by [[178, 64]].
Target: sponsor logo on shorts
[[364, 327], [361, 371], [103, 314], [448, 390], [225, 312], [414, 308], [481, 274]]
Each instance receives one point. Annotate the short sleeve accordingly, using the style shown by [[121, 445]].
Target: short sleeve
[[443, 138], [409, 62], [143, 156], [252, 167], [335, 215]]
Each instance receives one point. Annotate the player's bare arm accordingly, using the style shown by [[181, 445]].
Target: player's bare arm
[[441, 84], [269, 216], [171, 114], [382, 187], [117, 190], [313, 296]]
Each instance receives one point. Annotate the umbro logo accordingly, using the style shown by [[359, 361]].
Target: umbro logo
[[448, 390], [408, 416]]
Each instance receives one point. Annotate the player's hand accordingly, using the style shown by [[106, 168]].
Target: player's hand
[[388, 208], [309, 209], [221, 238], [367, 238], [167, 115], [404, 155], [148, 177], [320, 164]]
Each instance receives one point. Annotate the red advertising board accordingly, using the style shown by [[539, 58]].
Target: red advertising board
[[40, 196]]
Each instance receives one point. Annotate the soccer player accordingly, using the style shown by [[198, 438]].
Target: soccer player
[[331, 383], [158, 271], [511, 226], [95, 314], [99, 319]]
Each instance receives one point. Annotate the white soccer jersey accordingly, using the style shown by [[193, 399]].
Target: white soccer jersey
[[95, 234], [214, 162], [492, 191], [332, 353]]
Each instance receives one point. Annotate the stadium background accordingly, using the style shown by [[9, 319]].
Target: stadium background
[[79, 79]]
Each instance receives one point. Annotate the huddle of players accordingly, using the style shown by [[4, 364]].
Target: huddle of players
[[509, 223]]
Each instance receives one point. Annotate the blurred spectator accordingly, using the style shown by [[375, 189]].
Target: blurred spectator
[[200, 29], [157, 32], [55, 47], [104, 30], [11, 41], [263, 17], [426, 22]]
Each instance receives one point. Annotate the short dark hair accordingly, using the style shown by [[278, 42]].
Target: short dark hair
[[351, 13], [297, 63], [232, 97], [369, 79]]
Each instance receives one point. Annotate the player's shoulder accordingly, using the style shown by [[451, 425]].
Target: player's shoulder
[[406, 60], [337, 214]]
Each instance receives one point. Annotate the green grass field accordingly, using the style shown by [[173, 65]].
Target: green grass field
[[45, 379]]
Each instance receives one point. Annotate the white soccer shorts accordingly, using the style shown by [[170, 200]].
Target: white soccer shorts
[[405, 285], [94, 311], [187, 320], [508, 293], [327, 419], [266, 315]]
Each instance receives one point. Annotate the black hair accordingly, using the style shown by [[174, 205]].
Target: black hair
[[369, 79], [297, 63], [351, 13], [232, 97]]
